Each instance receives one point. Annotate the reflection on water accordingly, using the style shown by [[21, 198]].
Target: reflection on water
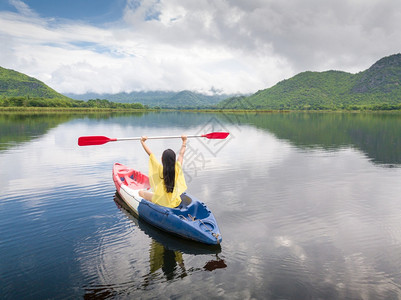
[[18, 128], [303, 201], [166, 261], [378, 135], [166, 251]]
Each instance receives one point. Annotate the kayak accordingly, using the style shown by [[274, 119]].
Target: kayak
[[191, 219], [169, 241]]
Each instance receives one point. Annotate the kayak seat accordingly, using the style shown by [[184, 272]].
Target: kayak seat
[[135, 175], [130, 182], [189, 208], [185, 200], [197, 210]]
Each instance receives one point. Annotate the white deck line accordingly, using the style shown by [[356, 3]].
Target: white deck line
[[131, 197]]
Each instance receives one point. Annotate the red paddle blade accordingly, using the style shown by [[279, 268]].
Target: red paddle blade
[[94, 140], [216, 135]]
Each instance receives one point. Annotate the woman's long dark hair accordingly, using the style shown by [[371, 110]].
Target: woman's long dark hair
[[168, 161]]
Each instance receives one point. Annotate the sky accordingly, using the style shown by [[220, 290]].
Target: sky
[[208, 46]]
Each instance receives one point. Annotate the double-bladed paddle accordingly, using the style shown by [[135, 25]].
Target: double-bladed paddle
[[100, 140]]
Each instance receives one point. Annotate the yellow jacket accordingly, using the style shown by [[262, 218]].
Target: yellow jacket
[[160, 196]]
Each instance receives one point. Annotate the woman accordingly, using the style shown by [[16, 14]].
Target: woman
[[167, 180]]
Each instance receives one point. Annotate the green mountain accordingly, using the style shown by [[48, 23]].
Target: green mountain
[[383, 77], [377, 87], [163, 99], [15, 84]]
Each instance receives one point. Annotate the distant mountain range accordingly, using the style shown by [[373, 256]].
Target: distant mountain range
[[163, 99], [380, 86], [377, 87]]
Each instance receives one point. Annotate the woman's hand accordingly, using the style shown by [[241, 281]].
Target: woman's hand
[[145, 147], [184, 139]]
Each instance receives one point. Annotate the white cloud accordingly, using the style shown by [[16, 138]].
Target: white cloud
[[23, 8], [232, 45]]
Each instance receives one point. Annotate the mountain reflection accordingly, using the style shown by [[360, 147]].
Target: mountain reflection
[[19, 128], [378, 135], [16, 128]]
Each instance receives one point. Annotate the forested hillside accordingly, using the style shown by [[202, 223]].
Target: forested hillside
[[379, 87], [15, 84]]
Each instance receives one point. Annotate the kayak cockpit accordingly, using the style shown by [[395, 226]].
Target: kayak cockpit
[[130, 177], [191, 209]]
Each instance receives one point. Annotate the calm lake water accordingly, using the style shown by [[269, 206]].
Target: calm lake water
[[309, 206]]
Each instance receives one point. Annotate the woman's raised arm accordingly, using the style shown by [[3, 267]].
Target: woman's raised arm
[[182, 150], [147, 149]]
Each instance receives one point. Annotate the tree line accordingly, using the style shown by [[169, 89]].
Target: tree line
[[66, 103]]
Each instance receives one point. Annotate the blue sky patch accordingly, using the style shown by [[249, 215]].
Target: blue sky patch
[[91, 11]]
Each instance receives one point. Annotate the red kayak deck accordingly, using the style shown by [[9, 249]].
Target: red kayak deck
[[132, 178]]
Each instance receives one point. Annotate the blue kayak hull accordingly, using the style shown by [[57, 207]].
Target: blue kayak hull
[[194, 222]]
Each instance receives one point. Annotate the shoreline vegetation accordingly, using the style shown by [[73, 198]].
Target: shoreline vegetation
[[39, 104], [94, 109], [27, 102]]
